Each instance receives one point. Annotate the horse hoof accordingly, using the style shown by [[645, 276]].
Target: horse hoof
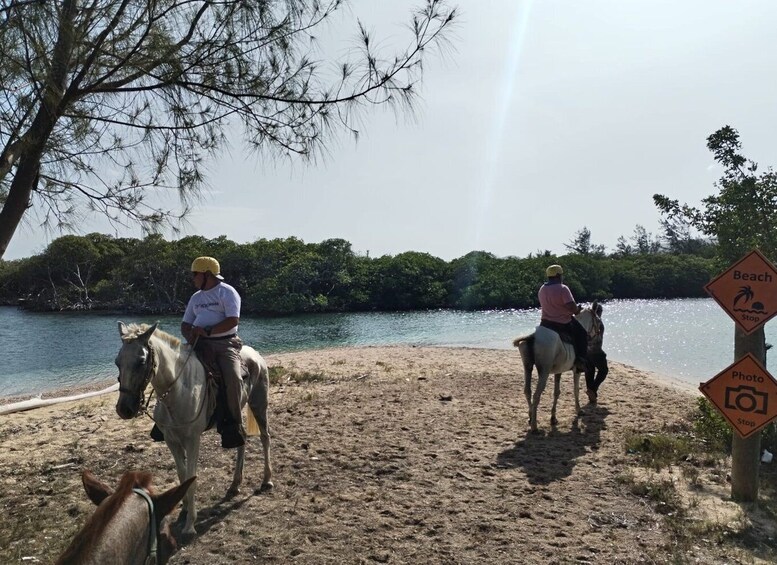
[[266, 487], [233, 491], [553, 422]]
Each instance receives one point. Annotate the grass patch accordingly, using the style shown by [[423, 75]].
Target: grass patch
[[661, 492], [308, 377], [280, 374], [276, 374], [659, 450]]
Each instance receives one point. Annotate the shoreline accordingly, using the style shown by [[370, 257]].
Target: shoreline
[[91, 387]]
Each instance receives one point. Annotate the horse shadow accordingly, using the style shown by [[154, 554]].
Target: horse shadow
[[549, 457], [209, 516]]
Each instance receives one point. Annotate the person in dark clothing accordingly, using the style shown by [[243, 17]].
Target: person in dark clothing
[[597, 360], [558, 311]]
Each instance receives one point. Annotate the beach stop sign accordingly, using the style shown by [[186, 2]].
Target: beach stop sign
[[747, 291], [745, 393]]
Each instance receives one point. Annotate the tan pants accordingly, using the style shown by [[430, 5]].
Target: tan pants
[[227, 353]]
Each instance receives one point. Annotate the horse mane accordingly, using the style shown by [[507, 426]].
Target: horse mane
[[134, 331], [87, 538]]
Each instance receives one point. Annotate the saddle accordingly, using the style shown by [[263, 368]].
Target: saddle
[[561, 329], [217, 392]]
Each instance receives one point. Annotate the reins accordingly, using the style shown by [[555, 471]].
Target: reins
[[175, 379], [161, 397], [151, 553]]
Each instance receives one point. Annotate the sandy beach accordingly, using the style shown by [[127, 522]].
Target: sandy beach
[[388, 455]]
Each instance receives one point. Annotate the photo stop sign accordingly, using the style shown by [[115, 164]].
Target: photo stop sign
[[747, 291], [745, 393]]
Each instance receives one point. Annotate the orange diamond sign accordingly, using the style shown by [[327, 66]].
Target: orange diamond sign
[[747, 291], [745, 393]]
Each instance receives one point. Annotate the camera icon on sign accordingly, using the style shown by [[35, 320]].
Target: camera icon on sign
[[746, 399]]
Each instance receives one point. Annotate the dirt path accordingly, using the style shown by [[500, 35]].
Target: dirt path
[[381, 454]]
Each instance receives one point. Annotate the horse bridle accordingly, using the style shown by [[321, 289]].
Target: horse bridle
[[151, 553], [595, 325], [150, 367]]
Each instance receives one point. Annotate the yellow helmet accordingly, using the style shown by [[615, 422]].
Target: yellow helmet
[[205, 265], [554, 270]]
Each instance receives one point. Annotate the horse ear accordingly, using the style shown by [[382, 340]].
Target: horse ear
[[145, 336], [167, 501], [122, 329], [96, 490]]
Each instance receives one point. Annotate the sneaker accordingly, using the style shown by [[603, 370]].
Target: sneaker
[[592, 396], [156, 434]]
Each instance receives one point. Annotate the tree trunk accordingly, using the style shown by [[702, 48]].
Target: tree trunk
[[18, 200], [746, 452], [33, 142]]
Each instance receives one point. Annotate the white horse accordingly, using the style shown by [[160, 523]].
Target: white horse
[[184, 406], [545, 350]]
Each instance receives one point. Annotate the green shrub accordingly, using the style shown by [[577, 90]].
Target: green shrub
[[658, 450], [711, 427]]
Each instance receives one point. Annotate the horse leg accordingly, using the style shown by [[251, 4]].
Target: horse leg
[[576, 379], [527, 391], [542, 381], [556, 394], [179, 456], [258, 402], [237, 476], [192, 453]]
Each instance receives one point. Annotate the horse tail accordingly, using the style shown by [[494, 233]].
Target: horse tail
[[252, 426], [528, 338], [525, 344]]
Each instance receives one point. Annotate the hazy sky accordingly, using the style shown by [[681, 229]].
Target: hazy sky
[[548, 116]]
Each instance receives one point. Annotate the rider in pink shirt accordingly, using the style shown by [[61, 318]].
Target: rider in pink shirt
[[558, 311]]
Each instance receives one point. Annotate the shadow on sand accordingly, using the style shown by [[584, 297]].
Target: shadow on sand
[[548, 457], [209, 516]]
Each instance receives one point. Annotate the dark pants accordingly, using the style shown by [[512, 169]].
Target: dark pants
[[576, 331], [597, 360], [227, 352]]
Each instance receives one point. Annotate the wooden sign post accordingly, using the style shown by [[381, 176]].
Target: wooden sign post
[[747, 291]]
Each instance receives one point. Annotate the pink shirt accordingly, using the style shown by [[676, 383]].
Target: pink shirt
[[552, 299]]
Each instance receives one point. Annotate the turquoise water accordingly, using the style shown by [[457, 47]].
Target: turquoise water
[[690, 340]]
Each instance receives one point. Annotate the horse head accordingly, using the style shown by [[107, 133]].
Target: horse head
[[589, 319], [122, 524], [136, 365]]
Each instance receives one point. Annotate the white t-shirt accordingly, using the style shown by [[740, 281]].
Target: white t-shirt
[[209, 307]]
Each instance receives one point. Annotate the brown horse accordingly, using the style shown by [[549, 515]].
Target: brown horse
[[127, 528]]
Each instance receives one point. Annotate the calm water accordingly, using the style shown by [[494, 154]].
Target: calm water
[[691, 340]]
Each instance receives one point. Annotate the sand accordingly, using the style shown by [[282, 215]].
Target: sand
[[381, 454]]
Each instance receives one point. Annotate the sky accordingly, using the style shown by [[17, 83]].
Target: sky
[[543, 117]]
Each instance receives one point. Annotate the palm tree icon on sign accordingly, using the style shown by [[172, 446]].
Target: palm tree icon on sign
[[746, 293]]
